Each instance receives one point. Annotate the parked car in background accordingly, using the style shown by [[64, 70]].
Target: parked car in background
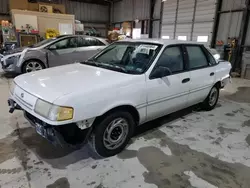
[[52, 52], [127, 84]]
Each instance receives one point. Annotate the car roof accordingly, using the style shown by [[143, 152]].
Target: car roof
[[65, 36], [161, 41]]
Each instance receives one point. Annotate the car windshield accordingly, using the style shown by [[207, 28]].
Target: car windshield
[[127, 57]]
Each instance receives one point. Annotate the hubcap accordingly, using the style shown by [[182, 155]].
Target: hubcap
[[33, 66], [115, 133], [213, 96]]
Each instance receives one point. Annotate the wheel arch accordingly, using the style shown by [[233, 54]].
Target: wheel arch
[[218, 84], [128, 108]]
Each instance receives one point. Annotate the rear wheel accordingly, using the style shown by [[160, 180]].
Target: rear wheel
[[32, 66], [212, 99], [113, 133]]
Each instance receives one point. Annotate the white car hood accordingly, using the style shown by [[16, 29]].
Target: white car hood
[[50, 84]]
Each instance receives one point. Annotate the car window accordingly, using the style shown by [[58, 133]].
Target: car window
[[172, 58], [196, 57], [211, 58], [66, 43], [84, 42], [115, 54], [81, 42], [99, 43]]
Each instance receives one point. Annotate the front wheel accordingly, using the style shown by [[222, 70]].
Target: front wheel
[[112, 134], [32, 66], [212, 98]]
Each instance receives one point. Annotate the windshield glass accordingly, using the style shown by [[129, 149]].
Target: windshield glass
[[46, 41], [128, 57]]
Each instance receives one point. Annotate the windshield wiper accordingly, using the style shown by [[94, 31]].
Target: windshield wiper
[[114, 66], [91, 62], [105, 65]]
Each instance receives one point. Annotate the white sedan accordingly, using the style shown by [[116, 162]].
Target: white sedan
[[127, 84]]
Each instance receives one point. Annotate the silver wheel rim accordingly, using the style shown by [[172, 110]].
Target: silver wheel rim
[[33, 66], [115, 133], [213, 96]]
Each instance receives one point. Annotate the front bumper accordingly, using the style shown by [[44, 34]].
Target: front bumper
[[68, 135], [10, 65], [226, 81]]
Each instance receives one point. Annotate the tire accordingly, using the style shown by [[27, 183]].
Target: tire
[[212, 99], [97, 141], [32, 65]]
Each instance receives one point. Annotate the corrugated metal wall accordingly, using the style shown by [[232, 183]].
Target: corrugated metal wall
[[230, 22], [4, 6], [156, 29], [86, 11], [190, 18], [82, 11], [4, 10], [92, 15], [169, 18], [232, 4], [129, 10], [156, 17], [247, 42], [157, 8]]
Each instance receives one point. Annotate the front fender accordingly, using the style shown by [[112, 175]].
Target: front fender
[[35, 54]]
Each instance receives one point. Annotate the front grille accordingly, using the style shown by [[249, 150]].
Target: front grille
[[34, 119]]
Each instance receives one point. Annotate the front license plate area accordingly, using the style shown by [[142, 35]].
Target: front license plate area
[[40, 130]]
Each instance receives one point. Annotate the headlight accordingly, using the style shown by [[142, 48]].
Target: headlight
[[43, 108], [12, 87], [53, 112], [60, 113]]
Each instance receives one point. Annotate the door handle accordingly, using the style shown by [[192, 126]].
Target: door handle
[[185, 80], [212, 74]]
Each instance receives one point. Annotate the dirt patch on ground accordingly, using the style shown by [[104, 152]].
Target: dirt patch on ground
[[127, 154], [246, 124], [248, 139], [224, 130], [60, 183], [230, 114], [20, 141], [168, 171], [241, 96]]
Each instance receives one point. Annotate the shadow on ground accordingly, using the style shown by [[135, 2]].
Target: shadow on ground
[[18, 143], [7, 75]]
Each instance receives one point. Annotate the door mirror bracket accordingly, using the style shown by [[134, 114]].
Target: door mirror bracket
[[160, 72]]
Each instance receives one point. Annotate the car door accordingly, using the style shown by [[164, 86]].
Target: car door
[[88, 47], [170, 93], [62, 52], [202, 73]]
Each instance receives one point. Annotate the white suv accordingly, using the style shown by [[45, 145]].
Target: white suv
[[125, 85]]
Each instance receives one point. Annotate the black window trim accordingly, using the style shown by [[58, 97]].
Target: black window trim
[[185, 65], [187, 57], [207, 53]]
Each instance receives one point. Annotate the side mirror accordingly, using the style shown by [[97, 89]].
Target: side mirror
[[160, 72], [52, 47]]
